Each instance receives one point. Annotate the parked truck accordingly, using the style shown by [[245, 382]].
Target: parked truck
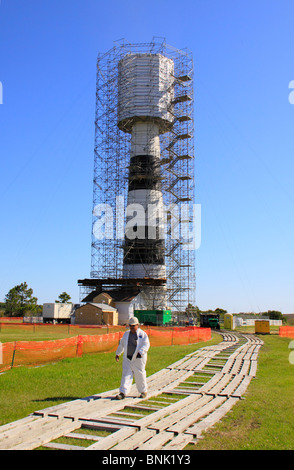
[[210, 320]]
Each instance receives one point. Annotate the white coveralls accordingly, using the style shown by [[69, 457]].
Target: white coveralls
[[135, 366]]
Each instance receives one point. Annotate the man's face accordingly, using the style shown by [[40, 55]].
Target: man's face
[[134, 328]]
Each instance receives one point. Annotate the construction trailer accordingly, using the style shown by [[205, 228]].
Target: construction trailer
[[57, 312], [153, 317]]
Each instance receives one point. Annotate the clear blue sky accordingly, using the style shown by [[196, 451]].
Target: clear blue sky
[[244, 140]]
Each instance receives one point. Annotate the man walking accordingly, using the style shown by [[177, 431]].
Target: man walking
[[134, 344]]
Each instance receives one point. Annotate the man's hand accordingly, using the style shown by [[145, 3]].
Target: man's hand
[[117, 358]]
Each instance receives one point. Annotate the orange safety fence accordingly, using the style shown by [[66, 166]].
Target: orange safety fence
[[101, 343], [49, 328], [286, 331], [35, 352], [30, 353]]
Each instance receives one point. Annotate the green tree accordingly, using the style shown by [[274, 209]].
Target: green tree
[[63, 298], [275, 315], [20, 300], [220, 311]]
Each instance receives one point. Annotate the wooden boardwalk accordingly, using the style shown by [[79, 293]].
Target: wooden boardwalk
[[184, 400]]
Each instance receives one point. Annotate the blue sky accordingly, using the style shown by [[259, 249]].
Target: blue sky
[[244, 140]]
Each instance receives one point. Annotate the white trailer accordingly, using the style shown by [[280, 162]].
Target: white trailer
[[57, 312]]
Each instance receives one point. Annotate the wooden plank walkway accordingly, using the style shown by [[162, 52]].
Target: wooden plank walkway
[[184, 399]]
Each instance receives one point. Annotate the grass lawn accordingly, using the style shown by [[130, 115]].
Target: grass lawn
[[265, 419], [24, 390], [29, 332]]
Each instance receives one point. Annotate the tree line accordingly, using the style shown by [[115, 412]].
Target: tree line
[[195, 312], [20, 301]]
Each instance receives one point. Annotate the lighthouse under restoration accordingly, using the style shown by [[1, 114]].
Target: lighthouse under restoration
[[145, 95], [143, 185]]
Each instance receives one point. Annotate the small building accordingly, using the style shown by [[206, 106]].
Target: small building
[[96, 314], [124, 300]]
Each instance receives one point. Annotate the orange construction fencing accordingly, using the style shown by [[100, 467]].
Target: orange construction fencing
[[60, 329], [40, 352], [36, 352], [286, 331], [100, 343]]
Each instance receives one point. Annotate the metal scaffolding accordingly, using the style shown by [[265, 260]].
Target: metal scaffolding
[[113, 173]]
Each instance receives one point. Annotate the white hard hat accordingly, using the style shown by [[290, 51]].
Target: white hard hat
[[133, 321]]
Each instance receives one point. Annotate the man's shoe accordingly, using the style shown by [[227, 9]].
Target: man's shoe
[[143, 395], [120, 396]]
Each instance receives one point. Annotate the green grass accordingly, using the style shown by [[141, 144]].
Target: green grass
[[29, 332], [265, 419], [24, 390], [79, 442], [8, 335], [251, 329]]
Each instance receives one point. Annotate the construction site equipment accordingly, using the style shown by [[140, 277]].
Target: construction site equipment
[[153, 317], [210, 320], [262, 327]]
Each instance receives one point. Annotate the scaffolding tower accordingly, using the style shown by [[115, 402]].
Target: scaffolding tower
[[113, 173]]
